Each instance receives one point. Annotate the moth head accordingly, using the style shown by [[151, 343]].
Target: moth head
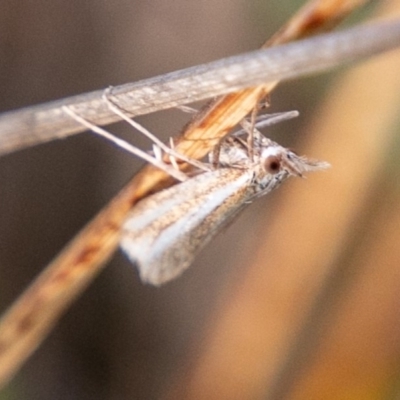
[[275, 159]]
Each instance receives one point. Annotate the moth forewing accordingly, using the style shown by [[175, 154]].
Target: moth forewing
[[164, 232]]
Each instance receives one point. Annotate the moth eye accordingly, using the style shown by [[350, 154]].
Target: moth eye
[[272, 164]]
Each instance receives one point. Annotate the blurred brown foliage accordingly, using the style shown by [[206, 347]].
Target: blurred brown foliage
[[299, 304]]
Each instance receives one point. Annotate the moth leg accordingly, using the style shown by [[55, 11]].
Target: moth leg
[[253, 119], [250, 136], [264, 121], [167, 150], [180, 176], [216, 151], [265, 102], [252, 130]]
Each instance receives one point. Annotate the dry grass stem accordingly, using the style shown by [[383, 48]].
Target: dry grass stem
[[38, 124]]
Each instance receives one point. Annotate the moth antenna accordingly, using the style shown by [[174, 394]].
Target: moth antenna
[[170, 152], [172, 158], [180, 176], [275, 118], [187, 109], [265, 120]]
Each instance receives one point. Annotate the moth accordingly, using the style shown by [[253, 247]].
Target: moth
[[165, 231]]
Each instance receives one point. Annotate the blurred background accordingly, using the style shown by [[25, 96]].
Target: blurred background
[[296, 299]]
